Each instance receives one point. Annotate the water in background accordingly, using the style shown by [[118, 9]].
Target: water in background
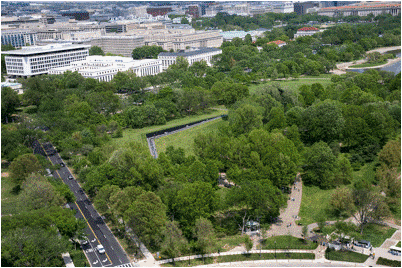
[[395, 68]]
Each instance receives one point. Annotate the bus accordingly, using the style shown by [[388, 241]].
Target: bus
[[395, 250]]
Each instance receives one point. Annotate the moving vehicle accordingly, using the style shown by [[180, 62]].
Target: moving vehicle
[[70, 177]]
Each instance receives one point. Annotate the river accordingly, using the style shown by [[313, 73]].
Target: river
[[395, 67]]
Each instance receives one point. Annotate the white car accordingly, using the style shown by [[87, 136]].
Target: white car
[[100, 249]]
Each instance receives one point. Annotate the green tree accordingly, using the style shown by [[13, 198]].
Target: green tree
[[193, 201], [323, 121], [244, 119], [23, 166], [344, 173], [341, 200], [174, 243], [37, 193], [320, 165], [146, 217], [9, 101], [276, 119], [33, 247], [95, 50], [204, 233], [248, 243]]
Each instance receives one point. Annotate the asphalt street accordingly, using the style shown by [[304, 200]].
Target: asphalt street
[[97, 231]]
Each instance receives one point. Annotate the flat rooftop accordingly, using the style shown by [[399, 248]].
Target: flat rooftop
[[190, 53], [25, 51]]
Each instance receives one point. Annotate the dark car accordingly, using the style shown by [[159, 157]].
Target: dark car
[[70, 177], [62, 164]]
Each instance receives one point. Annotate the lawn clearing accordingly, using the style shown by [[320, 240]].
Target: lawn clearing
[[348, 256], [292, 84], [399, 244], [366, 173], [315, 205], [9, 197], [387, 262], [229, 242], [287, 242], [363, 65], [377, 234], [185, 139], [138, 135]]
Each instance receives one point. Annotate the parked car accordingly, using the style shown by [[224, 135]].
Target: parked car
[[62, 164], [100, 249], [70, 177]]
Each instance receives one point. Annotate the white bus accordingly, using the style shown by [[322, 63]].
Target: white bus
[[395, 250]]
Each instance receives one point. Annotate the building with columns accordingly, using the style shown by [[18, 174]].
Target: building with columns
[[306, 31], [104, 68], [36, 60], [192, 55], [375, 8]]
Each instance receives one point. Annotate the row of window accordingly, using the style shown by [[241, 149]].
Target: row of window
[[65, 55]]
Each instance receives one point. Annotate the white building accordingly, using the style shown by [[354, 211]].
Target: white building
[[306, 31], [284, 7], [35, 60], [104, 68], [192, 55], [363, 9]]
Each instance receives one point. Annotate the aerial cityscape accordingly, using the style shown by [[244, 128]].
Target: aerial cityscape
[[200, 133]]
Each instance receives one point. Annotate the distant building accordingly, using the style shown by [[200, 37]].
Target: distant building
[[158, 11], [279, 43], [35, 60], [375, 8], [306, 31], [77, 15], [284, 7], [301, 7], [104, 68], [119, 45], [194, 11], [192, 55], [18, 38]]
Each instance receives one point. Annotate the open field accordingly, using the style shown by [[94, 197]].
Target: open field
[[185, 139], [287, 242], [315, 205], [348, 256], [363, 65], [294, 84], [377, 234], [138, 135]]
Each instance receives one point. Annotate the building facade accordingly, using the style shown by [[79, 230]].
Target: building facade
[[193, 55], [119, 45], [35, 60], [18, 38], [306, 31], [104, 68], [362, 10]]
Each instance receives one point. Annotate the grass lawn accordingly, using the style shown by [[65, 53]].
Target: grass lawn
[[288, 242], [9, 199], [315, 205], [348, 256], [399, 244], [243, 257], [387, 262], [185, 139], [377, 234], [229, 242], [293, 84], [366, 173], [369, 64], [138, 135]]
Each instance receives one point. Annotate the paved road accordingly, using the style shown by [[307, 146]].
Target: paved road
[[96, 230]]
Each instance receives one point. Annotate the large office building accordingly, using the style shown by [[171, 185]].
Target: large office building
[[35, 60], [191, 55], [118, 44], [104, 68], [18, 38], [375, 8]]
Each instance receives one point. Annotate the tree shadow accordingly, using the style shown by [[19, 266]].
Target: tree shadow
[[16, 190]]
